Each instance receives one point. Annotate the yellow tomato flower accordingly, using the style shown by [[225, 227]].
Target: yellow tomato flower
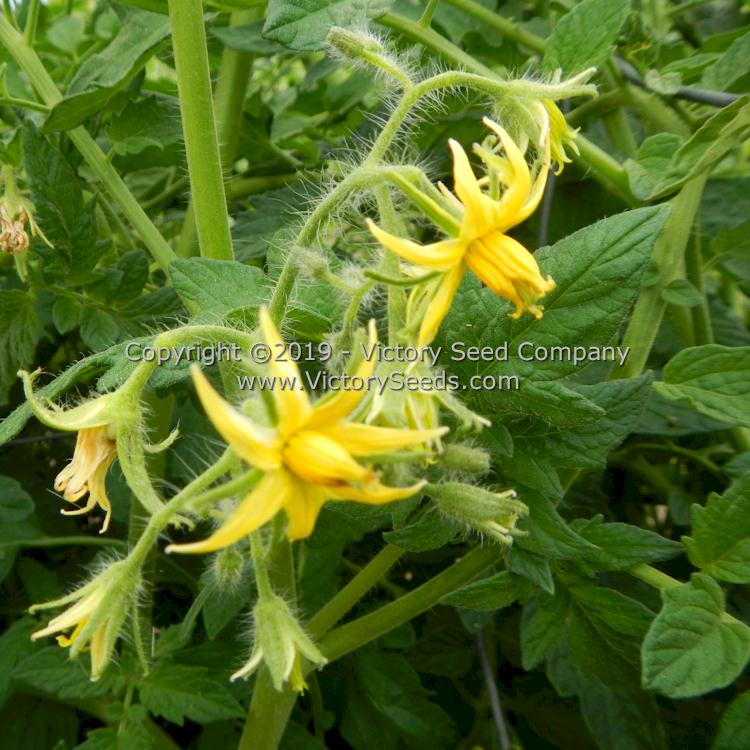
[[308, 457], [96, 616], [95, 450], [501, 262], [87, 472]]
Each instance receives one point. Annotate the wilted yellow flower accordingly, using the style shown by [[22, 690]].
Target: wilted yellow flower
[[87, 472], [96, 617], [309, 456], [95, 447], [481, 244]]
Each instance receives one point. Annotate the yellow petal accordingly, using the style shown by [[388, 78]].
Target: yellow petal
[[317, 459], [331, 410], [302, 509], [441, 256], [292, 404], [477, 205], [511, 271], [256, 509], [520, 184], [374, 493], [440, 305], [98, 651], [366, 440], [253, 443]]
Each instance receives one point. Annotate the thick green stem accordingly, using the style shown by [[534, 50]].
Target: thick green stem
[[353, 635], [199, 128], [396, 295], [32, 17], [42, 82], [654, 577], [509, 29], [669, 256], [344, 600], [259, 563], [694, 270], [229, 100]]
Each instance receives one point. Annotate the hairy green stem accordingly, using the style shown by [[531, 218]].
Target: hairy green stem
[[42, 82], [362, 176], [608, 171], [199, 129]]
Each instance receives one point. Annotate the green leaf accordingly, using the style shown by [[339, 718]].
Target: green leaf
[[392, 687], [585, 445], [304, 24], [548, 533], [177, 692], [733, 64], [102, 75], [216, 287], [15, 645], [692, 647], [714, 380], [719, 543], [682, 293], [98, 329], [68, 223], [15, 503], [532, 567], [66, 314], [495, 592], [598, 273], [19, 334], [734, 728], [542, 625], [619, 717], [656, 173], [247, 38], [620, 545], [431, 531], [51, 671], [143, 124], [585, 35]]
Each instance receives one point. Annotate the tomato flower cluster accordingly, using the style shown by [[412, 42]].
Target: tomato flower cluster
[[302, 452]]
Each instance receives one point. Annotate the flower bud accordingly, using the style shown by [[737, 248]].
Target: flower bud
[[460, 458], [491, 513], [280, 643], [351, 44], [312, 264], [228, 569], [97, 614]]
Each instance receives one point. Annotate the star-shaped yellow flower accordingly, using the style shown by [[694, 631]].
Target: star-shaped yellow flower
[[501, 262], [308, 457]]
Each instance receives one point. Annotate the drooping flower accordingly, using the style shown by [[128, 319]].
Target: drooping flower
[[280, 643], [309, 456], [96, 617], [15, 213], [94, 452], [481, 242], [561, 135]]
